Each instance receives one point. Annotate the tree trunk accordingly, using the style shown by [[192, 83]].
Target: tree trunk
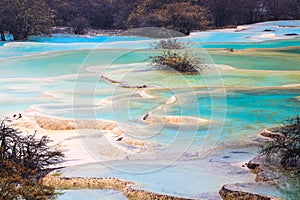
[[19, 36], [2, 35]]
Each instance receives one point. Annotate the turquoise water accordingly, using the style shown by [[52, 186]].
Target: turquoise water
[[252, 37], [60, 76], [265, 101], [255, 45], [68, 38], [251, 33]]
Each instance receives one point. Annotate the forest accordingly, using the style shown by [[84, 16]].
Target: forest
[[22, 18]]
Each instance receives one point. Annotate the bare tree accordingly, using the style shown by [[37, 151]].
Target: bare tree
[[24, 161]]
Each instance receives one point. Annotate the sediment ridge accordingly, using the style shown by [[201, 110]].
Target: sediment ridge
[[106, 183], [230, 194], [175, 120], [122, 84]]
